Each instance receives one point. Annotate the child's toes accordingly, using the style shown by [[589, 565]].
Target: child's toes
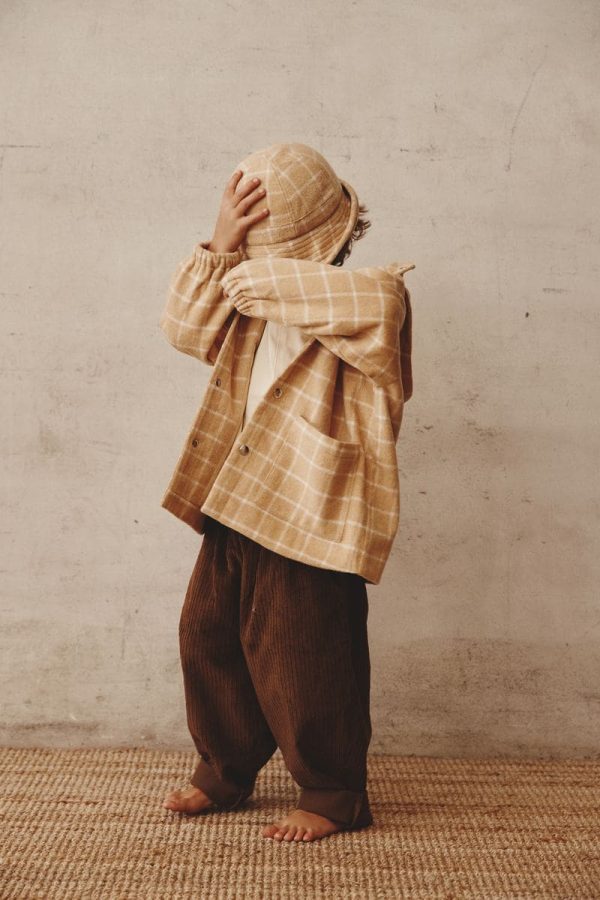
[[289, 836], [299, 833], [309, 835]]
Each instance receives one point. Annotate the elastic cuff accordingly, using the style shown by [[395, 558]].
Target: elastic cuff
[[230, 257], [349, 808], [224, 793]]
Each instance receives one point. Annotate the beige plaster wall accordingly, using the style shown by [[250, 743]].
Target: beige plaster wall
[[471, 131]]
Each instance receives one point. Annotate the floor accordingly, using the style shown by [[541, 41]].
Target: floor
[[90, 824]]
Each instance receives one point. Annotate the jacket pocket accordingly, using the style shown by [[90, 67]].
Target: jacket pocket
[[311, 479]]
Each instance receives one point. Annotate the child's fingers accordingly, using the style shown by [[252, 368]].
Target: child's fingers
[[251, 187], [257, 216], [234, 180], [250, 199]]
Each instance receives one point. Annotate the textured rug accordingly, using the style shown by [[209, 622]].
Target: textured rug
[[90, 824]]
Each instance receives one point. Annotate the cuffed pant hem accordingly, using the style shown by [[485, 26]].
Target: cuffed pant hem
[[349, 808], [223, 793]]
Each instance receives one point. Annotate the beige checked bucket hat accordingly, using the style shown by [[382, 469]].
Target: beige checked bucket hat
[[312, 212]]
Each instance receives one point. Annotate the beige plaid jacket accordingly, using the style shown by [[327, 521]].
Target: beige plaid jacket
[[313, 475]]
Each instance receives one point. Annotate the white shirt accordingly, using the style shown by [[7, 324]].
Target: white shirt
[[278, 345]]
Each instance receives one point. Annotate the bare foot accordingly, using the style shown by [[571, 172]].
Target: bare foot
[[190, 800], [300, 825]]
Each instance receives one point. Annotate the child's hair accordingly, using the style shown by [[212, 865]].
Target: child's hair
[[362, 224]]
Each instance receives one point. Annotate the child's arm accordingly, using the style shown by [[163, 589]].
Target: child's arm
[[197, 316], [357, 314]]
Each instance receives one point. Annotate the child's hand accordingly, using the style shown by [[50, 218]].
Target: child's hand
[[233, 223]]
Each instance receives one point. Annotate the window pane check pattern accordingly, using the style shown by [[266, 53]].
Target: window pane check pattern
[[313, 473]]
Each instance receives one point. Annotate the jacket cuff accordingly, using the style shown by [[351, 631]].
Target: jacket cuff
[[243, 304], [207, 257]]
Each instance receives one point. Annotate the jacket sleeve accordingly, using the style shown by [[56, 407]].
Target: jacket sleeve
[[357, 314], [197, 314]]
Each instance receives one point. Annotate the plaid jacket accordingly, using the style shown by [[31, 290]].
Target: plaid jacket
[[313, 475]]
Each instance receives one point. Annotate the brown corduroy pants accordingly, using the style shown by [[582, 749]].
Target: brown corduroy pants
[[275, 654]]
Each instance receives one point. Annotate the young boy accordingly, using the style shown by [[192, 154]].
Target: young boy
[[287, 471]]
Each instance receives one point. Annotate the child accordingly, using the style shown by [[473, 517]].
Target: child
[[290, 474]]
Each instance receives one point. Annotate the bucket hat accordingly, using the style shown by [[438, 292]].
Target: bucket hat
[[312, 212]]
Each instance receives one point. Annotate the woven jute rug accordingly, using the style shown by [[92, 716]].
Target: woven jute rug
[[90, 824]]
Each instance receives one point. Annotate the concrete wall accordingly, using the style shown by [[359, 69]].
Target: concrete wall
[[471, 131]]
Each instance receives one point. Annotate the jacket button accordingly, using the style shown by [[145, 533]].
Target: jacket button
[[244, 448], [277, 392], [194, 443], [218, 382]]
